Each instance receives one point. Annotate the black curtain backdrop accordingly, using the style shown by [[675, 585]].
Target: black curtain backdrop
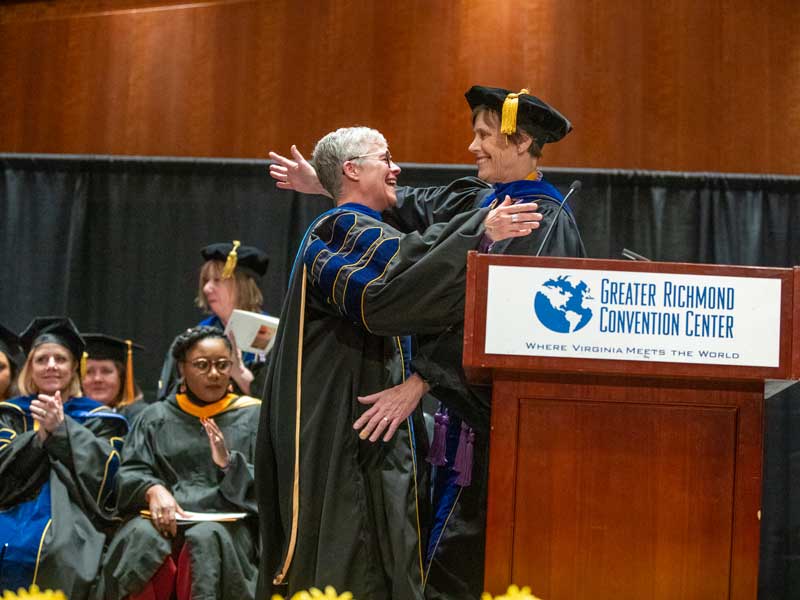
[[114, 243]]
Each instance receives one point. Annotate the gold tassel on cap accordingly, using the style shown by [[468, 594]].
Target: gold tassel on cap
[[130, 391], [230, 264], [508, 124], [84, 358]]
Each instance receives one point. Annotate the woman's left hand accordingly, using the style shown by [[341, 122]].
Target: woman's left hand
[[49, 412], [219, 451]]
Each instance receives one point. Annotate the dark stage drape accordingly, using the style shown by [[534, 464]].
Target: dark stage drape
[[114, 243]]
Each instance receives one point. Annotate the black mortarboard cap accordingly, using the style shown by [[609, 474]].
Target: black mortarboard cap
[[10, 346], [234, 255], [534, 115], [56, 330], [100, 346]]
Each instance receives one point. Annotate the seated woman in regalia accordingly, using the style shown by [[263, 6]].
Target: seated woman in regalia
[[192, 452], [59, 454], [108, 374]]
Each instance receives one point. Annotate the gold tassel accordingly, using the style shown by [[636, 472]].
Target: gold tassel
[[130, 391], [230, 263], [84, 358], [508, 124]]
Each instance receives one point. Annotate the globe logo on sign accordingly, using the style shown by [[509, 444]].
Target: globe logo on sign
[[561, 304]]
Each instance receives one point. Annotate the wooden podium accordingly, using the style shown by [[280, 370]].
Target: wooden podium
[[624, 479]]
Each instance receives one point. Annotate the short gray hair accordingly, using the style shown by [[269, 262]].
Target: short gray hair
[[337, 147]]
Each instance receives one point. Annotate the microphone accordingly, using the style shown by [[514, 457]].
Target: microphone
[[631, 255], [575, 187]]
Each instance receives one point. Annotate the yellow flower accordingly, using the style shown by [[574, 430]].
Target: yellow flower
[[315, 594], [33, 594], [513, 593]]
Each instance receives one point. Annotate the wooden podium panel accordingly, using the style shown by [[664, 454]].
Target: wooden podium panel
[[615, 480], [624, 489], [637, 497]]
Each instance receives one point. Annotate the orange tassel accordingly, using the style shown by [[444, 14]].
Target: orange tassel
[[130, 391]]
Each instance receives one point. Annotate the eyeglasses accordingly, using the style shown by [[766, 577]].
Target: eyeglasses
[[222, 365], [387, 158]]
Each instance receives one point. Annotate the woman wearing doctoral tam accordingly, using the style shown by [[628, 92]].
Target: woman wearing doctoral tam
[[192, 452], [509, 133], [57, 467], [228, 281]]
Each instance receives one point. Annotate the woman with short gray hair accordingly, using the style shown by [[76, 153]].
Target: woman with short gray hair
[[337, 147]]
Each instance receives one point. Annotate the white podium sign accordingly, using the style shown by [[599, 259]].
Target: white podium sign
[[623, 315]]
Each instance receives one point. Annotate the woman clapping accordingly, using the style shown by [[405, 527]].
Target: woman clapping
[[192, 452], [57, 467]]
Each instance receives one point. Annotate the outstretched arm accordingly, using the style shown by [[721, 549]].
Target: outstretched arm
[[295, 173]]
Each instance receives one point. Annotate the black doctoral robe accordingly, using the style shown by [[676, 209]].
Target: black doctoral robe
[[439, 357], [55, 496], [454, 561], [336, 510], [169, 447]]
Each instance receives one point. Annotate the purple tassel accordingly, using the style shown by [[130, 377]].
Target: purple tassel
[[436, 454], [463, 439], [464, 456]]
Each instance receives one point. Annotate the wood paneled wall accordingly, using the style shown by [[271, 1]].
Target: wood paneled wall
[[681, 85]]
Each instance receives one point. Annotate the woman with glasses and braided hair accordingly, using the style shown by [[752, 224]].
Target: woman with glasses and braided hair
[[192, 452]]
